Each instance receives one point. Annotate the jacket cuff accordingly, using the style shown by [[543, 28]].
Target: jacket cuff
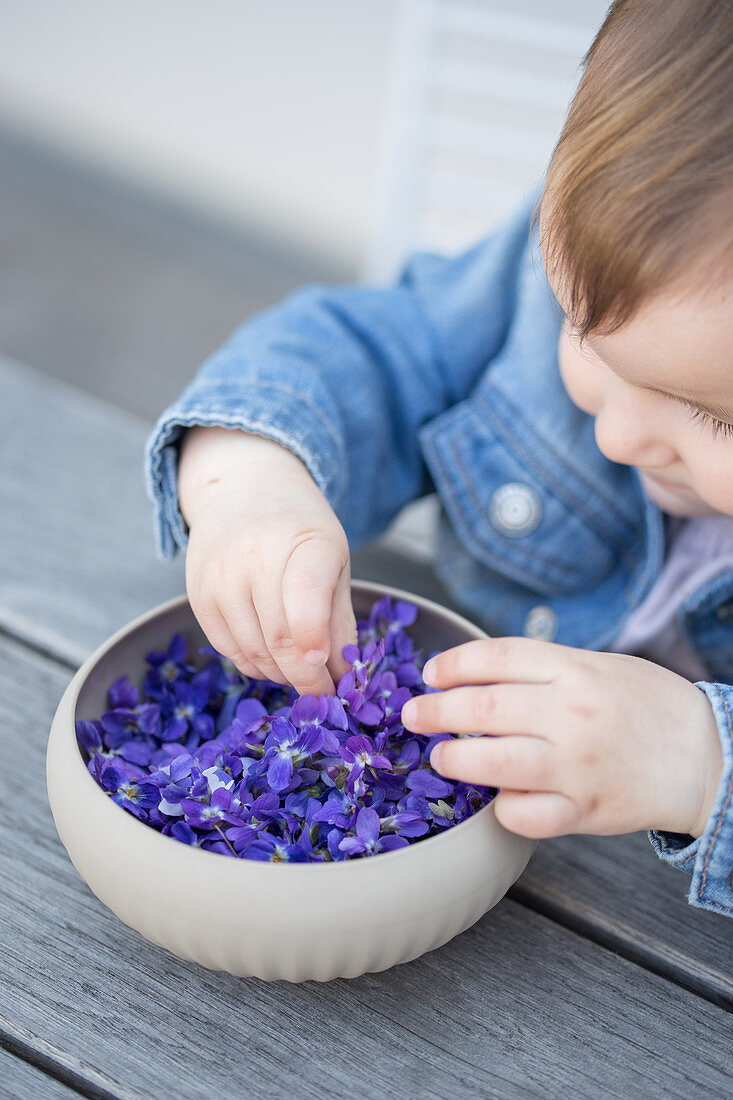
[[262, 408], [709, 859]]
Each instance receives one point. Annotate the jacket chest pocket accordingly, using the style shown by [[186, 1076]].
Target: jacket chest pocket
[[517, 506]]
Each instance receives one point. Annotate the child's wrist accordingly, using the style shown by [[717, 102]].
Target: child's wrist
[[215, 461], [708, 766]]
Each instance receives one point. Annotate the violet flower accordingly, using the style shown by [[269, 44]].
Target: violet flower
[[358, 753], [247, 769], [367, 840]]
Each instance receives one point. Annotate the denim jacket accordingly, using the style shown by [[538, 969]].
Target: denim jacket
[[448, 382]]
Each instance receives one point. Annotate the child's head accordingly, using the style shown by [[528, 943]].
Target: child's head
[[637, 236]]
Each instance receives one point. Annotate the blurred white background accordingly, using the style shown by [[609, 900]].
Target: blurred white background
[[307, 120]]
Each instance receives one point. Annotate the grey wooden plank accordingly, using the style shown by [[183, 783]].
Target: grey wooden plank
[[77, 563], [616, 890], [76, 539], [21, 1081], [118, 291], [515, 1007]]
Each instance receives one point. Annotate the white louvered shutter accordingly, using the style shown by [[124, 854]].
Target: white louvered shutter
[[478, 94]]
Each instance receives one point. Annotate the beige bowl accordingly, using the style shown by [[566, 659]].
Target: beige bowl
[[291, 921]]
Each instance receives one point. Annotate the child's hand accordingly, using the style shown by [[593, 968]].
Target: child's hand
[[267, 566], [579, 742]]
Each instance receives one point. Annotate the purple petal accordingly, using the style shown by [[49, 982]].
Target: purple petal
[[204, 726], [370, 714], [390, 843], [427, 783], [145, 794], [89, 735], [180, 766], [409, 823], [310, 740], [280, 772], [177, 648], [350, 846], [360, 744], [408, 674], [111, 777], [221, 798], [333, 841], [309, 709], [249, 710], [123, 694], [404, 613], [241, 836], [351, 653], [137, 752], [183, 832], [149, 718], [367, 824], [336, 715], [380, 762], [330, 744], [265, 805], [409, 755], [173, 729]]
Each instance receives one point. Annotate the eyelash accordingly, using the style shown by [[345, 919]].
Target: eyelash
[[717, 427]]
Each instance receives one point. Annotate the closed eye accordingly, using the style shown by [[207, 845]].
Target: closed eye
[[718, 427]]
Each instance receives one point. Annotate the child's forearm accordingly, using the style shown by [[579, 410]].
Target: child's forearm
[[214, 457]]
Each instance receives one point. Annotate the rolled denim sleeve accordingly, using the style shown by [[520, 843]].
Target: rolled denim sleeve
[[345, 377], [709, 859]]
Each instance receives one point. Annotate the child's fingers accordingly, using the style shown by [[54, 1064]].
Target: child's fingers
[[249, 669], [524, 763], [493, 660], [536, 814], [308, 586], [234, 652], [211, 620], [307, 679], [249, 640], [343, 624], [496, 708]]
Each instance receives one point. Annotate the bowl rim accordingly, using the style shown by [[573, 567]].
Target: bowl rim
[[194, 854]]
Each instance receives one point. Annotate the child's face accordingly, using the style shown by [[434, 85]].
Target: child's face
[[661, 391]]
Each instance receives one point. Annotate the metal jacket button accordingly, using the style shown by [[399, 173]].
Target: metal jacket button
[[515, 509], [541, 623]]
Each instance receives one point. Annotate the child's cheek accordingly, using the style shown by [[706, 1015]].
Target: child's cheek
[[580, 375]]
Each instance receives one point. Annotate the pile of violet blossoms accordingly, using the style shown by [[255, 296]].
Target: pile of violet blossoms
[[248, 768]]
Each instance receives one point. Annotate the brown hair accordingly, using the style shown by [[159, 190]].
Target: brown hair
[[640, 183]]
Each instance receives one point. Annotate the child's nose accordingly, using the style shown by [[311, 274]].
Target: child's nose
[[630, 430]]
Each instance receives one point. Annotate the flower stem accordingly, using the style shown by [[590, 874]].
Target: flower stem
[[229, 846]]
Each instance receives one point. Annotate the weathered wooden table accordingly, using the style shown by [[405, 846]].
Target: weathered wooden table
[[592, 978]]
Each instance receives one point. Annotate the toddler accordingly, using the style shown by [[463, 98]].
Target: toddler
[[566, 387]]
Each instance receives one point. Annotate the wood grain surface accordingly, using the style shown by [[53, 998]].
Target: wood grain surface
[[20, 1079]]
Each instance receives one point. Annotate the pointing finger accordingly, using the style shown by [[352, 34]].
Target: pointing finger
[[308, 586], [496, 660], [343, 625], [497, 709]]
